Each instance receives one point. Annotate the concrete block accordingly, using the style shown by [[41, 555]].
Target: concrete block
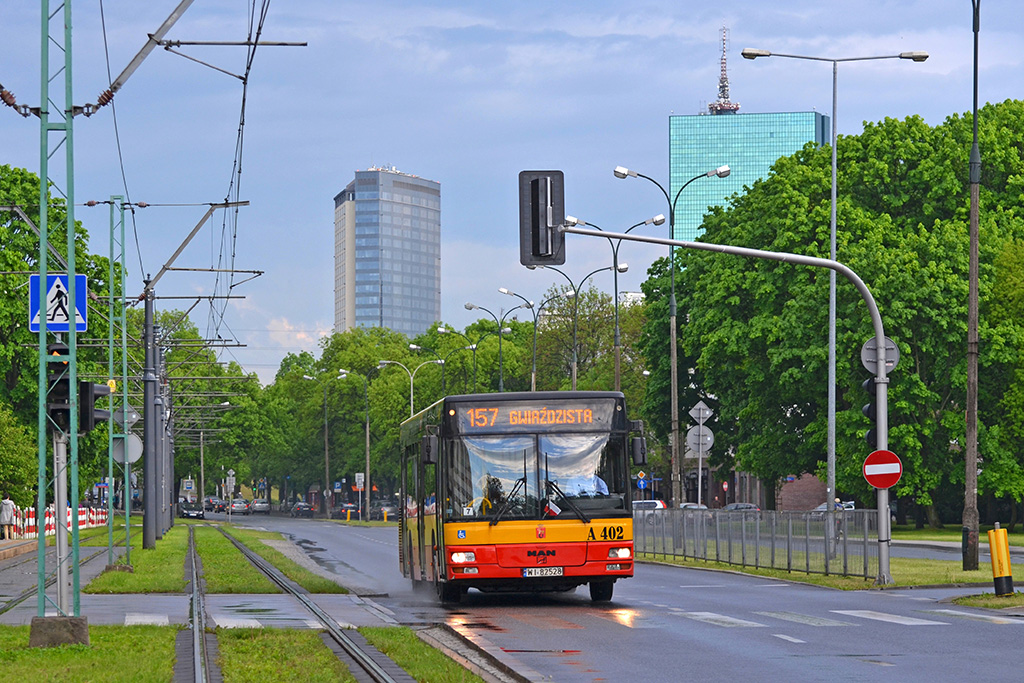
[[55, 631]]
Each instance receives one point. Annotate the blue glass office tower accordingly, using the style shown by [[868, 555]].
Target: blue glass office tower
[[387, 252], [748, 143]]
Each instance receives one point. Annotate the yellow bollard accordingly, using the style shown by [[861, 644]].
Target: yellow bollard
[[348, 515], [385, 515], [999, 549]]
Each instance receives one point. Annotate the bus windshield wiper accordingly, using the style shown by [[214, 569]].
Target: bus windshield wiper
[[568, 501], [508, 500]]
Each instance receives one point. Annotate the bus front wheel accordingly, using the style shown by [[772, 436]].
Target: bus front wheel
[[601, 591]]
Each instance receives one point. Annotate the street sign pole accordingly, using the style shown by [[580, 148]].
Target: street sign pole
[[881, 381]]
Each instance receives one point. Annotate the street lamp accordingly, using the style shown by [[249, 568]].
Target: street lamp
[[536, 310], [327, 459], [618, 268], [366, 475], [720, 172], [657, 220], [412, 375], [750, 53], [501, 333]]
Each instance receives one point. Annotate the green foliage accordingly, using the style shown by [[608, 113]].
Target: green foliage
[[755, 332], [18, 458]]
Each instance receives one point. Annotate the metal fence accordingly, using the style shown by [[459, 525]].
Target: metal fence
[[791, 541]]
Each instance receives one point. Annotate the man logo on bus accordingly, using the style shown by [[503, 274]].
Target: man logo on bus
[[541, 555]]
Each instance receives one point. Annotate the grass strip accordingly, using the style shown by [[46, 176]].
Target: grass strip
[[907, 532], [314, 583], [225, 568], [418, 659], [132, 654], [279, 655], [991, 600], [156, 570]]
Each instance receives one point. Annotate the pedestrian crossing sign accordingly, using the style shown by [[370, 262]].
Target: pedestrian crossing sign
[[58, 308]]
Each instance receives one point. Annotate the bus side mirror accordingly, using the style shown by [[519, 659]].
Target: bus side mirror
[[638, 448], [428, 450]]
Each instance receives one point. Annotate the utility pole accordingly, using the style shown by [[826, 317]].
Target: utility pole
[[970, 516]]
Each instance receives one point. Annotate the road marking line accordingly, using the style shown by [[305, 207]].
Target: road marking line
[[891, 618], [789, 638], [806, 619], [975, 617], [710, 585], [142, 619], [719, 619]]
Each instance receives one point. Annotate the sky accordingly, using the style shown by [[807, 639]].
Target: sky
[[466, 94]]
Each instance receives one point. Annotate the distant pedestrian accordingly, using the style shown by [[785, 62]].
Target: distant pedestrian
[[7, 517]]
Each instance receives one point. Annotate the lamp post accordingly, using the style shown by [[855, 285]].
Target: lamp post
[[970, 513], [657, 220], [750, 53], [327, 459], [366, 394], [536, 310], [412, 375], [501, 333], [472, 345], [618, 268], [720, 172]]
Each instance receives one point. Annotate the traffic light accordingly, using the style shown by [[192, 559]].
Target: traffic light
[[58, 392], [870, 412], [541, 214], [88, 414]]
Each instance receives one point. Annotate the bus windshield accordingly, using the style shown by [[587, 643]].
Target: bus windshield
[[534, 476]]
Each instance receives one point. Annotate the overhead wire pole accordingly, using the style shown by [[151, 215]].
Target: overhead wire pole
[[881, 381]]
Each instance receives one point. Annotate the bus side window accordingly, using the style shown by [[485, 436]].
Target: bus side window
[[429, 449]]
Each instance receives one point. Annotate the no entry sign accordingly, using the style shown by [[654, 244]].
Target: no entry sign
[[882, 469]]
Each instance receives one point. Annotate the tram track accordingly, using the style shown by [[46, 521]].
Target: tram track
[[355, 654]]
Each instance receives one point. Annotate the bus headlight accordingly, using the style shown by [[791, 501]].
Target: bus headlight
[[463, 556], [619, 553]]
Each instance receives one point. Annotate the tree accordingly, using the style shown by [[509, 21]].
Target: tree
[[755, 337]]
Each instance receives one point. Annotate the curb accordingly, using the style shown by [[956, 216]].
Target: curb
[[17, 548]]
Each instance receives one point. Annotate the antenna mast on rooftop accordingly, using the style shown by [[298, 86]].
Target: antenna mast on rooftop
[[722, 105]]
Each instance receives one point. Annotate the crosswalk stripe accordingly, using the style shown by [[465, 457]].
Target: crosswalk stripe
[[976, 617], [231, 622], [789, 638], [806, 619], [891, 618], [142, 619], [719, 619]]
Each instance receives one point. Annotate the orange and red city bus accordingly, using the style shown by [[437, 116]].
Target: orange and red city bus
[[519, 492]]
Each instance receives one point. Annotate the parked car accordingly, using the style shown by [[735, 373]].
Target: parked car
[[260, 505], [191, 511], [345, 511], [693, 506], [845, 505], [741, 507], [382, 509], [240, 506], [648, 509], [210, 504], [302, 509]]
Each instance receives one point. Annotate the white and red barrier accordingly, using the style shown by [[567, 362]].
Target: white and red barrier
[[26, 525]]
